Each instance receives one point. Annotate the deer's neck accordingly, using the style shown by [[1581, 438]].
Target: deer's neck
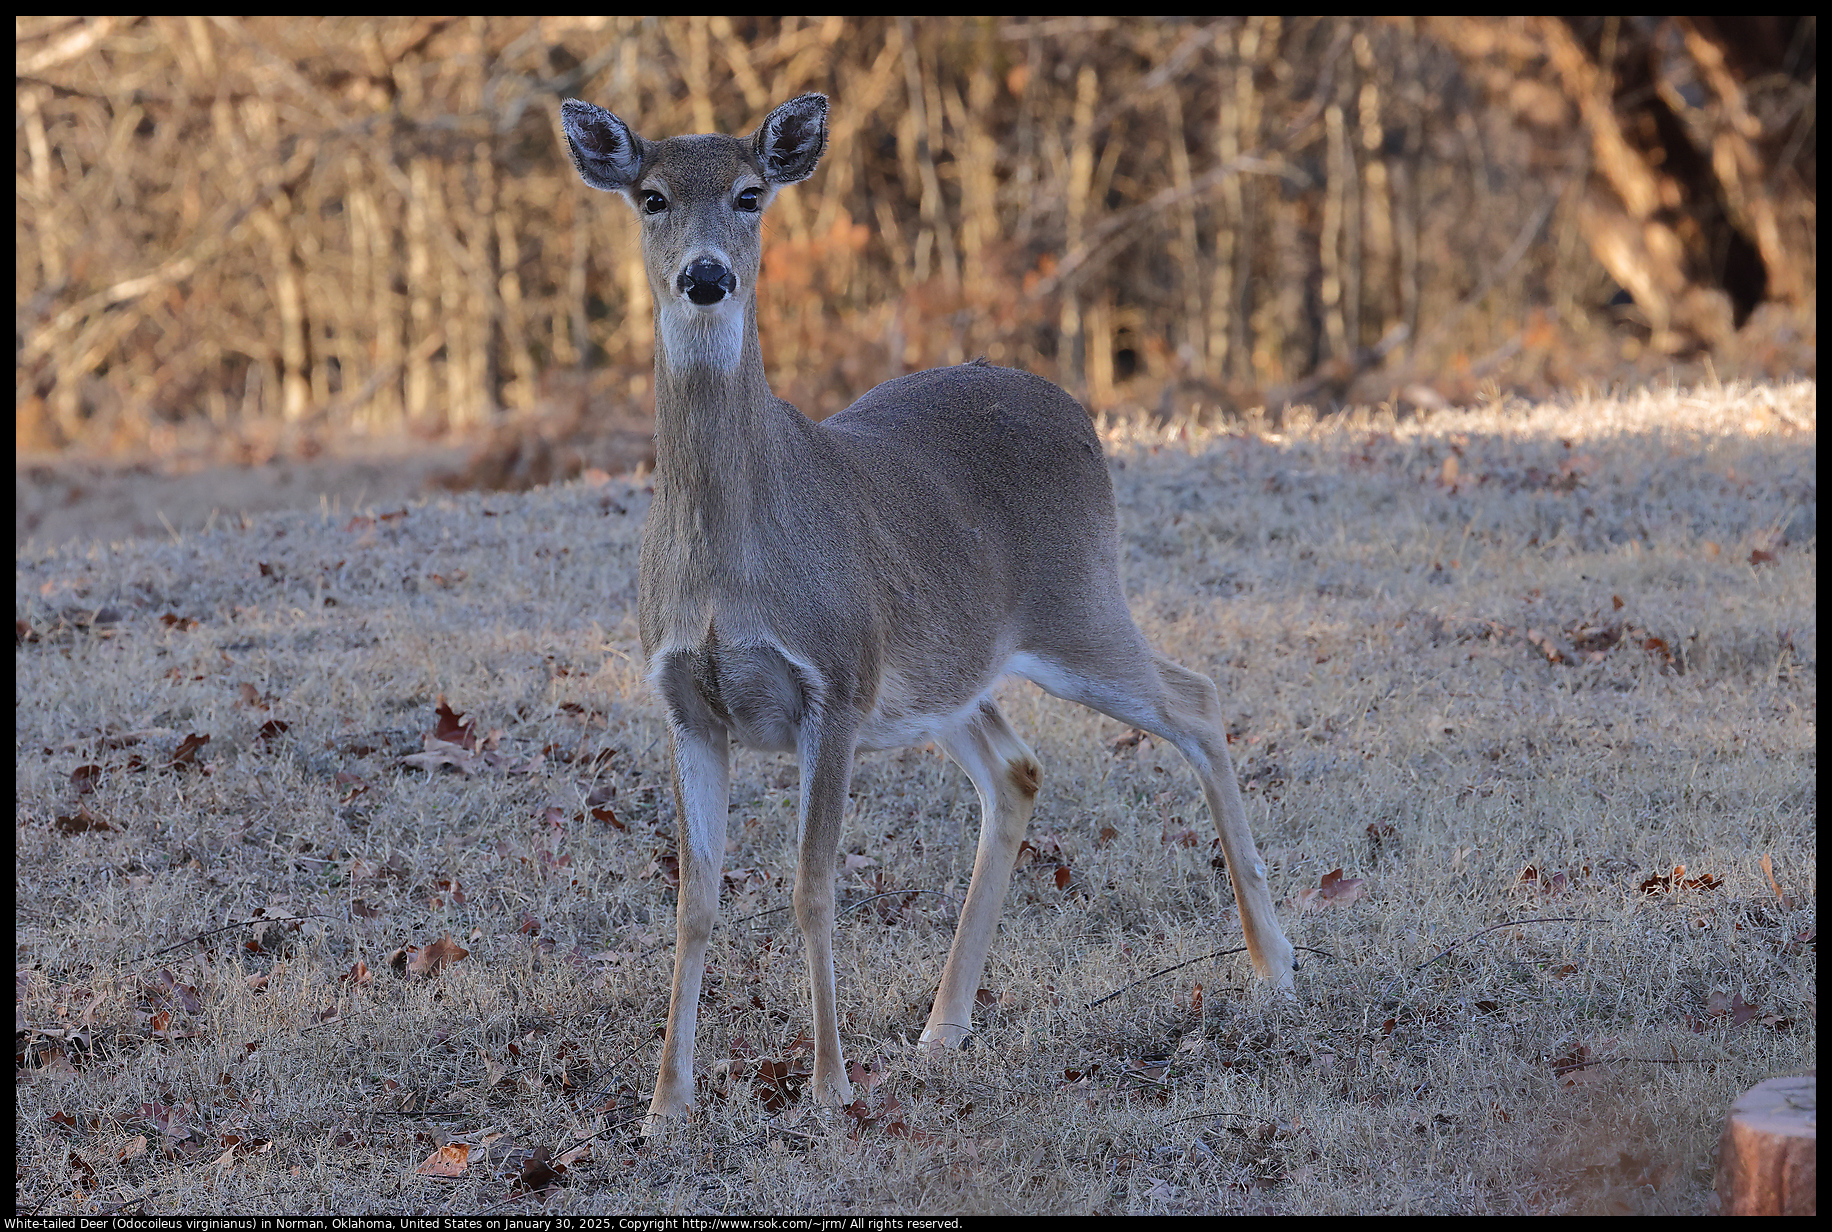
[[722, 440]]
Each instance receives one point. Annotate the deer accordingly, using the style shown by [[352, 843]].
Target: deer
[[864, 582]]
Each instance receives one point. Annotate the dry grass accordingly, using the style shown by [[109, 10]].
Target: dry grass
[[1368, 616]]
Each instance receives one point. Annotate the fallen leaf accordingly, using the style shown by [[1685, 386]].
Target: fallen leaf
[[864, 1079], [440, 753], [1334, 890], [1162, 1190], [188, 748], [1546, 646], [448, 1160], [1768, 870], [887, 1118], [83, 821], [1666, 883], [435, 957], [537, 1172], [1577, 1067], [167, 987], [454, 728], [1551, 885]]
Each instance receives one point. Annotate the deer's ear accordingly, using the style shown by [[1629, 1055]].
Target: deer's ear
[[607, 154], [790, 141]]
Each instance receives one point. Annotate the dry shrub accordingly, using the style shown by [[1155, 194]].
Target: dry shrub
[[281, 234]]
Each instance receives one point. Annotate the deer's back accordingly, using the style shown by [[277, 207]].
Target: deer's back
[[996, 474]]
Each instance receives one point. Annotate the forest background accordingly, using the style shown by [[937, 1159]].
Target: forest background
[[246, 239]]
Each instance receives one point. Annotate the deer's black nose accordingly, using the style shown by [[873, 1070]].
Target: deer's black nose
[[705, 281]]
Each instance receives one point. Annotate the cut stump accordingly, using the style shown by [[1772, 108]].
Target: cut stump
[[1769, 1154]]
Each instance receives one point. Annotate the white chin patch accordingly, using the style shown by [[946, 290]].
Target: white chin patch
[[698, 338]]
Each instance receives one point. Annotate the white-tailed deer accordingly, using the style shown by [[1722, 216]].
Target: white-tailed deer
[[864, 582]]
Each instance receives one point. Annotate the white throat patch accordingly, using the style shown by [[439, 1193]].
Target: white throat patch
[[697, 338]]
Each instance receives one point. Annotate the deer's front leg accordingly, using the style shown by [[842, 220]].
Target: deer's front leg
[[826, 771], [702, 775]]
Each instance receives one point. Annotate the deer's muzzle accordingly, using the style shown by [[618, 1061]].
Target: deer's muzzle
[[706, 282]]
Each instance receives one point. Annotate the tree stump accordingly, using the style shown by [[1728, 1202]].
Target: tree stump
[[1769, 1154]]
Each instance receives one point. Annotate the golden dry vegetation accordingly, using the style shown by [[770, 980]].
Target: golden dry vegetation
[[1517, 663], [283, 235]]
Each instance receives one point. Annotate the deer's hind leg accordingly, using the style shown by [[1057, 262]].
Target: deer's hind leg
[[1124, 678], [1006, 775]]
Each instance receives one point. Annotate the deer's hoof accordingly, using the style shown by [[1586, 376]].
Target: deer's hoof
[[664, 1115], [945, 1035], [834, 1090]]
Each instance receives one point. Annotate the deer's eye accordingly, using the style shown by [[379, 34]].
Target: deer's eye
[[750, 200], [653, 202]]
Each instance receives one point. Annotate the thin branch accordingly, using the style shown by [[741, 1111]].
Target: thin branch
[[1553, 919], [1202, 1116], [1123, 228], [260, 919], [1578, 1065], [1239, 949], [894, 893], [1500, 269], [1137, 95], [759, 915], [612, 1068]]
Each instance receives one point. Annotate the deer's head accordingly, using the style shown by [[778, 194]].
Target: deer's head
[[701, 201]]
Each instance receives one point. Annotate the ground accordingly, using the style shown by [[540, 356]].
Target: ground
[[396, 936]]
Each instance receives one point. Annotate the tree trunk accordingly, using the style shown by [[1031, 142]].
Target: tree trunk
[[1768, 1157]]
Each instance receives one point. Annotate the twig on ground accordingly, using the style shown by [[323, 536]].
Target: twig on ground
[[261, 919], [1239, 949], [627, 1121], [611, 1068], [894, 893], [1199, 1116], [759, 915], [1586, 1064], [1553, 919]]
